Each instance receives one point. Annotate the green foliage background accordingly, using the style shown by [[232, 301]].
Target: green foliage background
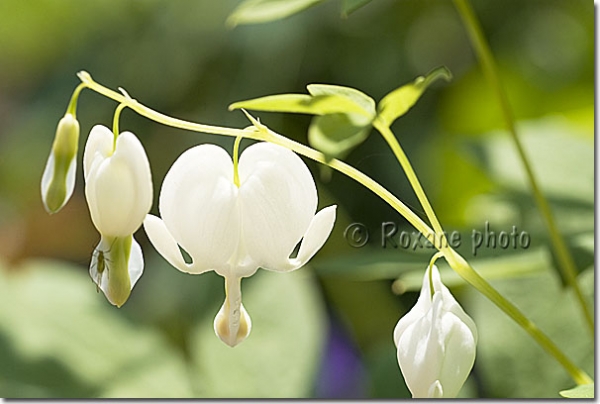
[[325, 331]]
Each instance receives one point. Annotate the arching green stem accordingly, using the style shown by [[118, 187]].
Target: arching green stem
[[236, 158], [72, 107], [116, 123], [391, 140]]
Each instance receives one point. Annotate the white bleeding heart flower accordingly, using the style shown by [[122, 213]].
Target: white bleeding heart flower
[[118, 189], [436, 342], [235, 229]]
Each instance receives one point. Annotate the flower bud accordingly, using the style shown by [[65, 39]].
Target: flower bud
[[436, 342], [58, 179]]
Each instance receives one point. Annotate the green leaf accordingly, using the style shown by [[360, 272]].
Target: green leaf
[[512, 364], [366, 103], [336, 135], [562, 158], [301, 104], [59, 338], [408, 266], [259, 11], [350, 6], [281, 355], [584, 391], [399, 101]]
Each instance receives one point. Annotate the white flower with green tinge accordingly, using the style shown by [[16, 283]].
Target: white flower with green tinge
[[118, 189], [436, 342], [58, 180], [234, 218]]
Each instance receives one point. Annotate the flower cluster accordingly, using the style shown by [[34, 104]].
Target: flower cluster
[[118, 190], [234, 216], [231, 217]]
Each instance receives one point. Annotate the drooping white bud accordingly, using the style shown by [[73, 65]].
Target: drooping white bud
[[436, 342]]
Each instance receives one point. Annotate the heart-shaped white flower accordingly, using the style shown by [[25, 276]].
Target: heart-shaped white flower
[[118, 189], [235, 230]]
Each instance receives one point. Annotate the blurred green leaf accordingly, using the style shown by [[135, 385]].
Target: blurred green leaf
[[510, 363], [368, 265], [585, 391], [358, 97], [259, 11], [53, 321], [350, 6], [281, 355], [301, 104], [409, 266], [337, 134], [562, 161], [399, 101]]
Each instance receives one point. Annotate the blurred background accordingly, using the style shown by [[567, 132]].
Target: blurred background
[[326, 330]]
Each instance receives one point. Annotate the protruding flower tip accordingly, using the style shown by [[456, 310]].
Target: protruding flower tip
[[58, 180], [232, 323], [436, 342], [232, 328]]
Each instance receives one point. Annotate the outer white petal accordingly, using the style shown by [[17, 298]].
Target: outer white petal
[[419, 309], [278, 199], [119, 188], [166, 245], [459, 355], [135, 266], [198, 204], [49, 174], [318, 232], [420, 352], [136, 263], [99, 146]]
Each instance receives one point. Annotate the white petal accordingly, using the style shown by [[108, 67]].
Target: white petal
[[459, 356], [419, 309], [278, 199], [136, 263], [318, 232], [102, 265], [119, 188], [98, 271], [198, 204], [166, 245], [420, 353], [99, 145], [69, 181]]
